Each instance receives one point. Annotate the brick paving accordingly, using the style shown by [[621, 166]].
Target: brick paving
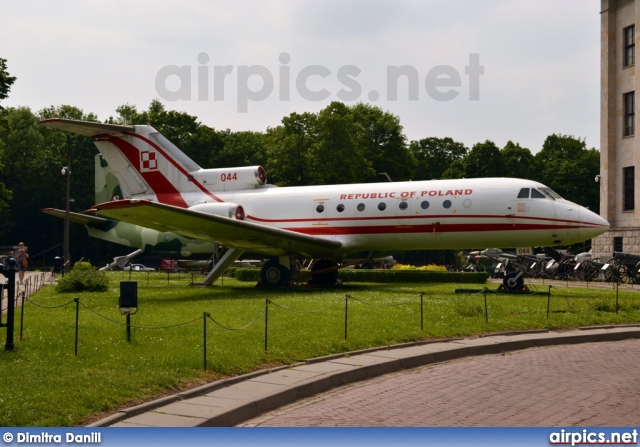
[[591, 384]]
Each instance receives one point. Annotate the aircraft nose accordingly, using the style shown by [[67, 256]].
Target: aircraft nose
[[593, 224]]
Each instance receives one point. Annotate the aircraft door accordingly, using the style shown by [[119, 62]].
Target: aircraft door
[[403, 212], [320, 210]]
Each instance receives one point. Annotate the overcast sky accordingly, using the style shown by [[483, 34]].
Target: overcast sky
[[472, 70]]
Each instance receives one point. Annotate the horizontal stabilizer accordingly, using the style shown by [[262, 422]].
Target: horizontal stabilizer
[[86, 128], [76, 218], [231, 233]]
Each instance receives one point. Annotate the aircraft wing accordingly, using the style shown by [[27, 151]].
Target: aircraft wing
[[225, 231], [86, 128], [76, 218]]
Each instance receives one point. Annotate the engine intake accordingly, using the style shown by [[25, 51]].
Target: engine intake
[[230, 210]]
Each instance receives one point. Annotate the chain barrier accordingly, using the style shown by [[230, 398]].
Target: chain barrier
[[241, 328], [565, 291], [307, 311]]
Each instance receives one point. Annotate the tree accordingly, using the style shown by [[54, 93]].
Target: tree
[[518, 161], [435, 156], [204, 145], [288, 149], [382, 142], [335, 156], [241, 149], [484, 160], [6, 80], [565, 165]]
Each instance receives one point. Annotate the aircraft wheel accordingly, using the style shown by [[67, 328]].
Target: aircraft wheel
[[513, 281], [274, 274], [324, 279]]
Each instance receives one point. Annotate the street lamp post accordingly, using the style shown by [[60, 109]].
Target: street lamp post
[[66, 170]]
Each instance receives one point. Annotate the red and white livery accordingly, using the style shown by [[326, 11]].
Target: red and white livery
[[235, 207]]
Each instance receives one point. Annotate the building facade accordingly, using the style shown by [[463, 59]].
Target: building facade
[[619, 147]]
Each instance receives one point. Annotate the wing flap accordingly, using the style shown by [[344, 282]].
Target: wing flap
[[225, 231], [86, 128]]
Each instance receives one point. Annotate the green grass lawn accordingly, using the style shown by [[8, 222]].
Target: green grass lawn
[[44, 384]]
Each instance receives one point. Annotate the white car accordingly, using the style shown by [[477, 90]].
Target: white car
[[139, 268]]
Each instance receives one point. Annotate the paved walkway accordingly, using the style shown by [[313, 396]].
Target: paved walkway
[[519, 379], [33, 281], [593, 384]]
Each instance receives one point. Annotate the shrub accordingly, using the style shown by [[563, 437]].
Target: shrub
[[387, 276], [83, 278]]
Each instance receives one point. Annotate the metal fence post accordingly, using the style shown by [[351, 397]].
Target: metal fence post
[[346, 314], [486, 310], [77, 300], [266, 323], [421, 311], [22, 315], [206, 314]]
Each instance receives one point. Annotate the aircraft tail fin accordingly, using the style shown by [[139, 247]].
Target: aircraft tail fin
[[148, 166], [144, 162]]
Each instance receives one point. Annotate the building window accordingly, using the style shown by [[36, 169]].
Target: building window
[[617, 244], [628, 176], [629, 46], [629, 114]]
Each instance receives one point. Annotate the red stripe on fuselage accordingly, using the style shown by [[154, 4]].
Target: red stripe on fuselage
[[416, 217], [438, 228]]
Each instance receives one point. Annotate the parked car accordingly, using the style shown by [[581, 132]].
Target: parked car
[[139, 268]]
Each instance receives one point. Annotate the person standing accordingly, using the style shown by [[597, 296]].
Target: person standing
[[22, 257]]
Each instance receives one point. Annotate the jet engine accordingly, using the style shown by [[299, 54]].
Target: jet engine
[[230, 179]]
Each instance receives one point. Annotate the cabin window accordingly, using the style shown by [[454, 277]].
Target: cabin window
[[524, 193], [340, 208], [446, 204], [535, 194], [382, 206], [403, 205], [424, 205], [320, 208], [360, 206]]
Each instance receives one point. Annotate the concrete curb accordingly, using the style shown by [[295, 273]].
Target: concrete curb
[[232, 401]]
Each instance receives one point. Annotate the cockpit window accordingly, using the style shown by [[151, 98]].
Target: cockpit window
[[535, 194], [524, 193], [550, 193]]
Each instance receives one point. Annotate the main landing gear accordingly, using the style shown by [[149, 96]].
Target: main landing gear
[[278, 272], [275, 274]]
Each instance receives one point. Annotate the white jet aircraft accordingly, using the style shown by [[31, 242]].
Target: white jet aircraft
[[235, 207]]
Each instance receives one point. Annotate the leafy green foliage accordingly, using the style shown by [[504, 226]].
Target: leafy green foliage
[[6, 80], [83, 278], [435, 156]]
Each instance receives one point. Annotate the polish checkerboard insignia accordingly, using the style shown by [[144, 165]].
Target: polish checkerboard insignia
[[148, 161]]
